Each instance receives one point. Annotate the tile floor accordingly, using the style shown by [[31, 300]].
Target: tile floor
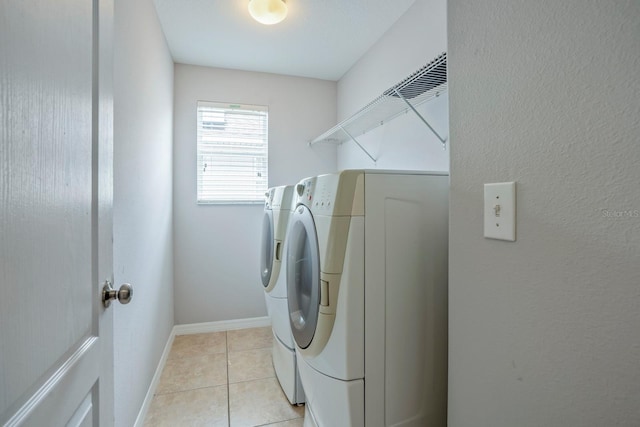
[[222, 379]]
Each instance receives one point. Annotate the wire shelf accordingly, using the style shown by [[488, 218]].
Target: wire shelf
[[425, 84]]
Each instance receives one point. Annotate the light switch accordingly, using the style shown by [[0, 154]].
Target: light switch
[[500, 211]]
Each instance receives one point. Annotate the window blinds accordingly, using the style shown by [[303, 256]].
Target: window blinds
[[232, 153]]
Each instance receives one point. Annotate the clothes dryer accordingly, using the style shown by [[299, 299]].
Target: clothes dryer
[[367, 297], [278, 206]]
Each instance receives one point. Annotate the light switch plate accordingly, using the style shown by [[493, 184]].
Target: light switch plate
[[500, 211]]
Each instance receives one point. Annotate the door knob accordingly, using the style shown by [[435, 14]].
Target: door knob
[[124, 294]]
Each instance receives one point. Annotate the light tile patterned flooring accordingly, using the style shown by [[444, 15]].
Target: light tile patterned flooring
[[222, 379]]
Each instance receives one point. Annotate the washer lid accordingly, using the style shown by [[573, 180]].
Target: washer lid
[[303, 276]]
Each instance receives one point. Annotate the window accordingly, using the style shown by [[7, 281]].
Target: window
[[232, 153]]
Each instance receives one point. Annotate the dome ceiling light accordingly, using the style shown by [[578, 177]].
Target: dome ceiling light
[[268, 12]]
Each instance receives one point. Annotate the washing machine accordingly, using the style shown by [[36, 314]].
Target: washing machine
[[367, 297], [278, 204], [277, 208]]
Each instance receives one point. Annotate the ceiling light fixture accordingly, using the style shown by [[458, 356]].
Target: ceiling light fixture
[[268, 12]]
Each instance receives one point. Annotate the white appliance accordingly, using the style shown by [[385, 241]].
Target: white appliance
[[367, 297], [274, 227]]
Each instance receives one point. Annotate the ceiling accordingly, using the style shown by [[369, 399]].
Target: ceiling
[[319, 38]]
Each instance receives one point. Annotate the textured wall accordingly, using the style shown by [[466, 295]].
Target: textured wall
[[404, 143], [142, 217], [217, 247], [545, 331]]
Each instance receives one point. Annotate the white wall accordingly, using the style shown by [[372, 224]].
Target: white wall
[[404, 143], [143, 108], [545, 331], [217, 248]]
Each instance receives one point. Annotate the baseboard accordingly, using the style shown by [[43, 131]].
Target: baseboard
[[155, 381], [224, 325], [194, 328]]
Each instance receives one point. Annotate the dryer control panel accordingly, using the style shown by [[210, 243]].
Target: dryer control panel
[[305, 190], [268, 198], [316, 194], [332, 194]]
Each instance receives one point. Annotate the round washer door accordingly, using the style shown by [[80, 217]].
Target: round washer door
[[303, 276], [266, 258]]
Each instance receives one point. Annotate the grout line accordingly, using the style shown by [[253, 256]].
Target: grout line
[[188, 390], [278, 422], [251, 380], [214, 327], [228, 383]]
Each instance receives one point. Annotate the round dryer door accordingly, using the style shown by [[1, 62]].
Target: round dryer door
[[266, 258], [303, 276]]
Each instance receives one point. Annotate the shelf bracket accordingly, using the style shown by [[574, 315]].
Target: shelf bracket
[[442, 140], [358, 144]]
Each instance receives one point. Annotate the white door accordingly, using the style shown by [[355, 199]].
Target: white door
[[56, 344]]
